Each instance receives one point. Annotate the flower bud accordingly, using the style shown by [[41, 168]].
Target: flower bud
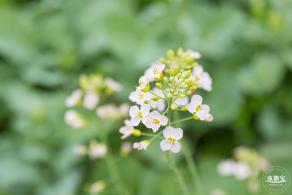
[[158, 85], [136, 133], [173, 106]]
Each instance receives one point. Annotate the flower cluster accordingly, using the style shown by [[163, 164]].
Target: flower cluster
[[94, 150], [168, 85], [246, 164], [94, 89]]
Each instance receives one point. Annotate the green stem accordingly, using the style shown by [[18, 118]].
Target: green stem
[[114, 174], [178, 175], [182, 120], [192, 169]]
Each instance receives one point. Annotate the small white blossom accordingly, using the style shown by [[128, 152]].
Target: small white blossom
[[74, 98], [143, 145], [80, 149], [182, 101], [97, 187], [202, 79], [143, 83], [126, 130], [201, 110], [226, 167], [138, 115], [170, 143], [126, 148], [90, 100], [97, 150], [241, 171], [154, 71], [113, 85], [158, 105], [74, 119], [140, 97], [193, 54], [111, 111], [124, 109], [155, 120]]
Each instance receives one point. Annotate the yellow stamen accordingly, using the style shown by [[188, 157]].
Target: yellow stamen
[[156, 121], [171, 140]]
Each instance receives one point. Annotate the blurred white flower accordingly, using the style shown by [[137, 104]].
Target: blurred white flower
[[80, 149], [126, 131], [113, 85], [202, 79], [74, 119], [143, 145], [171, 137], [97, 150], [154, 71], [140, 97], [193, 54], [226, 167], [74, 98], [124, 109], [155, 120], [126, 148], [241, 171], [138, 115], [97, 187], [201, 110], [90, 100]]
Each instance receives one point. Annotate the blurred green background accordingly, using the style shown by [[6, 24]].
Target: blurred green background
[[45, 45]]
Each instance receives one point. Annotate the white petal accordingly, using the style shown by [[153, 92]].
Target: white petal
[[197, 100], [134, 110], [198, 70], [145, 109], [175, 147], [155, 128], [163, 120], [182, 101], [168, 132], [165, 145], [177, 133], [134, 121], [133, 96], [191, 107]]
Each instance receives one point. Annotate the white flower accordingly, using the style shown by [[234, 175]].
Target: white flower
[[154, 71], [90, 100], [74, 98], [226, 167], [158, 105], [155, 120], [194, 54], [158, 93], [241, 171], [111, 111], [80, 149], [113, 85], [143, 145], [143, 83], [202, 79], [97, 150], [126, 148], [140, 97], [124, 109], [138, 115], [182, 101], [74, 119], [97, 187], [126, 130], [170, 143], [201, 110]]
